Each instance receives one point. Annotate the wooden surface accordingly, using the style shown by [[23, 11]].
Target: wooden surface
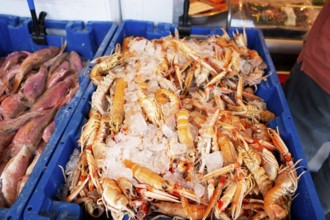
[[201, 8]]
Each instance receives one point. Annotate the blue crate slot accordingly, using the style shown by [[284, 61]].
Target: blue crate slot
[[45, 204], [84, 38], [90, 40]]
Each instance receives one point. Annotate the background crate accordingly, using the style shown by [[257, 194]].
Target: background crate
[[44, 203], [90, 40]]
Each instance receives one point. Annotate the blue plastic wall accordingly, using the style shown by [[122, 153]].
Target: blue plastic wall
[[89, 40], [44, 203]]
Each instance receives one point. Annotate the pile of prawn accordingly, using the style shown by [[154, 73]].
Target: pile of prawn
[[176, 129]]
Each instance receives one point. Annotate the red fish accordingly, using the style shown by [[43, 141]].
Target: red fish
[[12, 106], [32, 61], [13, 173], [22, 134], [35, 85], [55, 94], [12, 59], [48, 131], [58, 62], [59, 76], [30, 134], [5, 140], [5, 85], [10, 125], [75, 61], [31, 167]]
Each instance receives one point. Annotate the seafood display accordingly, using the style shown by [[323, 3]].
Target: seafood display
[[278, 18], [34, 86], [175, 128], [277, 14]]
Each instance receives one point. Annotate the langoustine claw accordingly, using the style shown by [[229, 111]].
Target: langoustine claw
[[278, 199], [114, 199], [176, 209]]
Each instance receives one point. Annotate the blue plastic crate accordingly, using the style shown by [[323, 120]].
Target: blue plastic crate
[[44, 203], [89, 40]]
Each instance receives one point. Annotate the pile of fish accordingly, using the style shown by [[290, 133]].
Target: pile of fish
[[175, 128], [33, 86]]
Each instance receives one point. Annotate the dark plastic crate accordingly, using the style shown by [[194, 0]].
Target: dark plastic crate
[[89, 40], [44, 203]]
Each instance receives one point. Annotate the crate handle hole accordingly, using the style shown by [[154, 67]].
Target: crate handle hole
[[29, 209], [9, 217], [62, 142]]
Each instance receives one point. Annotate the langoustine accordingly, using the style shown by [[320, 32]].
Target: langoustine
[[188, 151]]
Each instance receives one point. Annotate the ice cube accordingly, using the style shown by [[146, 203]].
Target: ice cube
[[138, 46], [131, 86], [138, 124], [71, 166], [161, 162], [171, 177], [153, 86], [128, 77], [171, 122], [144, 157], [168, 176], [127, 153], [167, 109], [194, 132], [131, 96], [131, 142], [214, 161], [176, 148], [199, 190], [114, 151], [152, 131], [120, 137], [167, 131], [116, 169], [109, 141], [160, 146]]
